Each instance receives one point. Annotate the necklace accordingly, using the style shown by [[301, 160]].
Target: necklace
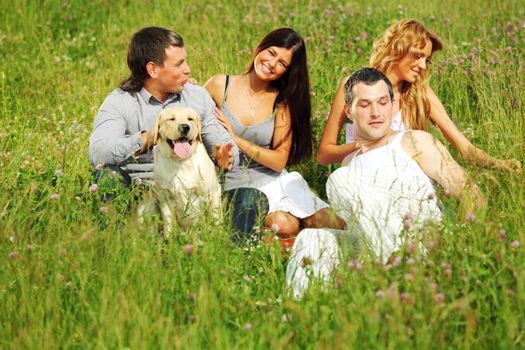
[[250, 106]]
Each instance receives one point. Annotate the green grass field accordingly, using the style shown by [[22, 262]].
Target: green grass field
[[78, 273]]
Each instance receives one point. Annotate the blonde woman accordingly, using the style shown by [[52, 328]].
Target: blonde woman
[[404, 54]]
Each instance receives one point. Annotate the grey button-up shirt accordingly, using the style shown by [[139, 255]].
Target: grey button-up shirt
[[123, 116]]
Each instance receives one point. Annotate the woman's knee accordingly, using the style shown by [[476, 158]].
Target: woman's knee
[[283, 222]]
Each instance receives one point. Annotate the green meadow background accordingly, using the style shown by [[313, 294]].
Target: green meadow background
[[79, 273]]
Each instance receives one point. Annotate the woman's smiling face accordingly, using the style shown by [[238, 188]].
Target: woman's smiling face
[[272, 62], [410, 67]]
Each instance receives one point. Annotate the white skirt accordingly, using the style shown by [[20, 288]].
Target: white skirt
[[289, 192]]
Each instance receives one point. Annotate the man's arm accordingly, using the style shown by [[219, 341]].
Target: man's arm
[[437, 163], [108, 143]]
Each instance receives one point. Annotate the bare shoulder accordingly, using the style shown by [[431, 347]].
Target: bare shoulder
[[215, 87], [343, 82], [416, 141]]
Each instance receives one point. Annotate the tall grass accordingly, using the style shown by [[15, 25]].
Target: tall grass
[[79, 273]]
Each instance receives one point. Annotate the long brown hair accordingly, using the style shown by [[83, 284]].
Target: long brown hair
[[399, 40], [294, 90]]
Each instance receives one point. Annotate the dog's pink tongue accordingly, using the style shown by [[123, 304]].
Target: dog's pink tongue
[[182, 149]]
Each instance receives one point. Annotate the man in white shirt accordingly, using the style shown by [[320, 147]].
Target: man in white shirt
[[386, 188]]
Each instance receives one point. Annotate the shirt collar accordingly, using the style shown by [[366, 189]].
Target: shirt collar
[[149, 97]]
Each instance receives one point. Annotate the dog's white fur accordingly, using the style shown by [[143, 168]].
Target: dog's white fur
[[183, 187]]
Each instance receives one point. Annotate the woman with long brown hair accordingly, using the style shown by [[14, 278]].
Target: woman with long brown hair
[[267, 111]]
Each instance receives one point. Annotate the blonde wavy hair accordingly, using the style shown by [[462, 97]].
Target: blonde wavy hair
[[407, 37]]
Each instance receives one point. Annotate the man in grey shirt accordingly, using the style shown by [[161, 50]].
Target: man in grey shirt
[[122, 137]]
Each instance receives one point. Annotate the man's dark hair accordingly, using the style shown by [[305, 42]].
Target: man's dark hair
[[147, 45], [368, 76]]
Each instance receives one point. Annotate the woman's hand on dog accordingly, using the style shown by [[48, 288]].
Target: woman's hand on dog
[[224, 156]]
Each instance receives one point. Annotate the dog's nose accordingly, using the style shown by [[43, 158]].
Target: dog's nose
[[184, 128]]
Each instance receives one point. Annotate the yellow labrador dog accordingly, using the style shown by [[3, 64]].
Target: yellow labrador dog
[[186, 184]]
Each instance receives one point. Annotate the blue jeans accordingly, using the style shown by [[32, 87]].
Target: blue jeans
[[249, 207]]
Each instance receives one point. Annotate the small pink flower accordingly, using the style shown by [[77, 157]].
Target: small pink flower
[[248, 326], [411, 261], [363, 36], [99, 166], [410, 248], [447, 273], [355, 265], [447, 20], [470, 216], [247, 278], [408, 216], [502, 233], [409, 277], [54, 196], [188, 249], [510, 292], [515, 245], [405, 297], [275, 227], [93, 188], [396, 261], [439, 298], [344, 70], [359, 50], [13, 255]]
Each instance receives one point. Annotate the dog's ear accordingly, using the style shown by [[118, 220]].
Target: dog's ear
[[157, 128], [199, 126]]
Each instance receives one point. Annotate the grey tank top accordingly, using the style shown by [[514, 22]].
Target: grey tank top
[[249, 173]]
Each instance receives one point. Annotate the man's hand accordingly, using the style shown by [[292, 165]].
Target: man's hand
[[147, 139], [224, 156]]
